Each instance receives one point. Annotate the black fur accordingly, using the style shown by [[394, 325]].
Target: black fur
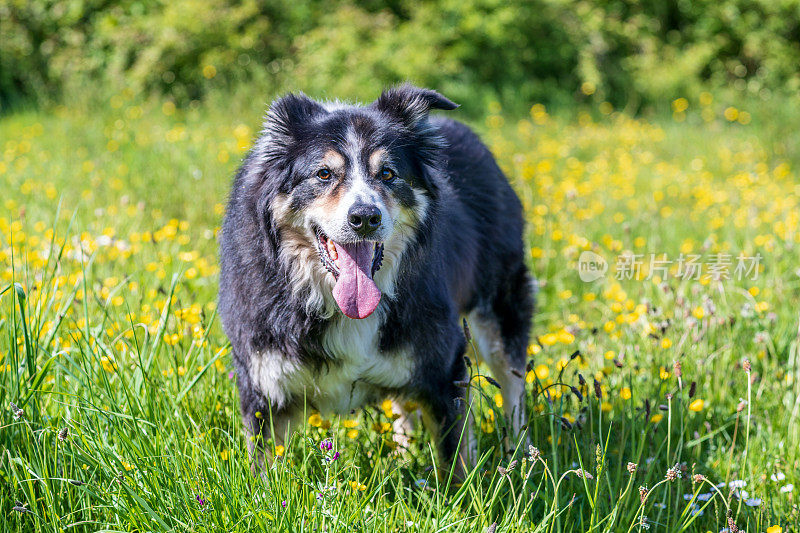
[[467, 255]]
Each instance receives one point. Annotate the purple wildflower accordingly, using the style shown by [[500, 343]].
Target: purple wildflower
[[202, 501], [326, 445]]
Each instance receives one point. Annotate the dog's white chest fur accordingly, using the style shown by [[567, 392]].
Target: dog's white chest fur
[[357, 373]]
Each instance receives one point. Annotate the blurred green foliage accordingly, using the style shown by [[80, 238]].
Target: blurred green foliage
[[476, 51]]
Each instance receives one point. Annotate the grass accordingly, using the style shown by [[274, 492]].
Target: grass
[[656, 402]]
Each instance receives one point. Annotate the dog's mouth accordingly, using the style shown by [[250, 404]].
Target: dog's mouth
[[353, 266]]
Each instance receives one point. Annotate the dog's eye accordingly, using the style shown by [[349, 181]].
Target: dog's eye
[[324, 174], [386, 174]]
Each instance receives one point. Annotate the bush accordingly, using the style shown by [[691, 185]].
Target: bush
[[475, 50]]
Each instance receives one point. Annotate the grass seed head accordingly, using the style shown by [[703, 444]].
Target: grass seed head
[[17, 412], [534, 453], [632, 468], [643, 491]]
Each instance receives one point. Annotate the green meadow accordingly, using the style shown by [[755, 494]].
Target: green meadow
[[664, 370]]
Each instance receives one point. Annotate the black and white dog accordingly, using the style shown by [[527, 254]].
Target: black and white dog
[[355, 238]]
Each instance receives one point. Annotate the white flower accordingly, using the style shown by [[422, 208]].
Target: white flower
[[780, 476], [787, 488], [737, 484], [752, 502], [660, 505], [704, 496], [741, 494]]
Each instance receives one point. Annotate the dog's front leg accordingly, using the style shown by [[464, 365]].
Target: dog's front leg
[[263, 425], [264, 420]]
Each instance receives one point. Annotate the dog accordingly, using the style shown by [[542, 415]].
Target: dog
[[355, 239]]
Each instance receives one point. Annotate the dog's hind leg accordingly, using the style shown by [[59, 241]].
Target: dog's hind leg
[[491, 347], [502, 333]]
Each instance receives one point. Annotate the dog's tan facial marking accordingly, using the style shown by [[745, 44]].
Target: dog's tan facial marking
[[334, 161], [329, 202], [376, 160]]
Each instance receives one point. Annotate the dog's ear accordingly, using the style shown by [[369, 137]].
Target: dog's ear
[[287, 117], [410, 105]]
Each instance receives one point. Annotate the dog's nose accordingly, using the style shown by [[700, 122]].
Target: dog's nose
[[364, 218]]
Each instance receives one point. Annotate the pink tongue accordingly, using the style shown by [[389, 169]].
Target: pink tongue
[[355, 291]]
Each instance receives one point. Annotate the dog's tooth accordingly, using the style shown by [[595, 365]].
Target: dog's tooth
[[332, 250]]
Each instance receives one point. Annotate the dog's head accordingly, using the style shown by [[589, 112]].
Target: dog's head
[[348, 188]]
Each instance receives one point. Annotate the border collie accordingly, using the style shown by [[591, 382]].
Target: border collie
[[355, 239]]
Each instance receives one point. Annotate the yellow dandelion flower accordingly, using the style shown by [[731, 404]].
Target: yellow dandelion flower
[[697, 405], [279, 450], [108, 364], [663, 373], [534, 349], [548, 339], [209, 71], [356, 486], [731, 114], [679, 105], [352, 433], [386, 407], [315, 420], [498, 400], [625, 393], [656, 418], [666, 343], [565, 337], [542, 371]]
